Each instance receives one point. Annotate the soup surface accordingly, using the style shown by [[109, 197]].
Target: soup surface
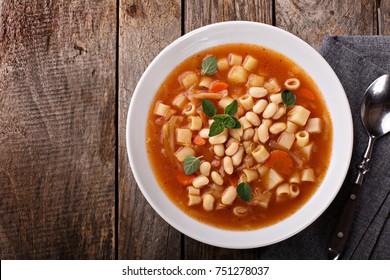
[[239, 136]]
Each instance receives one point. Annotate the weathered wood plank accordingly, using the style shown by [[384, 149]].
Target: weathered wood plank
[[196, 14], [57, 129], [312, 19], [145, 28], [199, 13], [384, 8]]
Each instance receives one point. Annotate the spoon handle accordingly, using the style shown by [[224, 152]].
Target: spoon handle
[[343, 227]]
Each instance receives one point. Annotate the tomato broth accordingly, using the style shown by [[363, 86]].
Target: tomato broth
[[279, 169]]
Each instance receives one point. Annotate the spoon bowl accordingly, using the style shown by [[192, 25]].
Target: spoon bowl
[[375, 111]]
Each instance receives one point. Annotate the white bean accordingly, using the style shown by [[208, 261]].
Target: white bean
[[220, 138], [257, 92], [247, 144], [232, 148], [205, 168], [277, 127], [248, 133], [200, 181], [270, 110], [229, 195], [219, 150], [267, 122], [230, 141], [217, 178], [204, 133], [237, 157], [260, 105], [208, 202], [228, 165], [252, 118], [279, 113], [262, 133]]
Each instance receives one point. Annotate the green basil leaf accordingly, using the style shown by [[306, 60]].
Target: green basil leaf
[[232, 108], [191, 164], [208, 108], [209, 65], [219, 118], [288, 98], [216, 128], [229, 122], [238, 124], [244, 191]]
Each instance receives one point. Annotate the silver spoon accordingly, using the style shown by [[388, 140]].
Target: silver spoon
[[375, 115]]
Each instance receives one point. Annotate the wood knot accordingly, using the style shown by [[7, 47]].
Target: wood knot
[[79, 48], [131, 10]]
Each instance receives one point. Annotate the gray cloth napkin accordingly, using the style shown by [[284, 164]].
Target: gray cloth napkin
[[357, 61]]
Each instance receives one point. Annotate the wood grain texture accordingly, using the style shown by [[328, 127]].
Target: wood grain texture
[[312, 19], [57, 129], [385, 17], [198, 13], [145, 28]]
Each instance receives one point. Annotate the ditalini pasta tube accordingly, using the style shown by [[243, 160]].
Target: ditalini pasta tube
[[282, 192], [302, 138]]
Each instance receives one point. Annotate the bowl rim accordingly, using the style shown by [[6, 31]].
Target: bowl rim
[[225, 237]]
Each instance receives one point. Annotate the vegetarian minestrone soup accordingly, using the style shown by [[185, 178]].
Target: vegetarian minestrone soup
[[239, 136]]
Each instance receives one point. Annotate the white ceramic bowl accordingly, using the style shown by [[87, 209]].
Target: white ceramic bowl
[[269, 37]]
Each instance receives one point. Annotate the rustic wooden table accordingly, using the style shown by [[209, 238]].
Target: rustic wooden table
[[67, 73]]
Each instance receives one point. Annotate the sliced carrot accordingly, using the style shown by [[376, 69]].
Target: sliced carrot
[[184, 179], [218, 86], [305, 93], [280, 161], [199, 141]]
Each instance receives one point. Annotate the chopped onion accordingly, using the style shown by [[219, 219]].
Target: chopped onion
[[168, 134]]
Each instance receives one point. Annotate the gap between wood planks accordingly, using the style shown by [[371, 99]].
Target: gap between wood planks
[[116, 227], [378, 16]]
